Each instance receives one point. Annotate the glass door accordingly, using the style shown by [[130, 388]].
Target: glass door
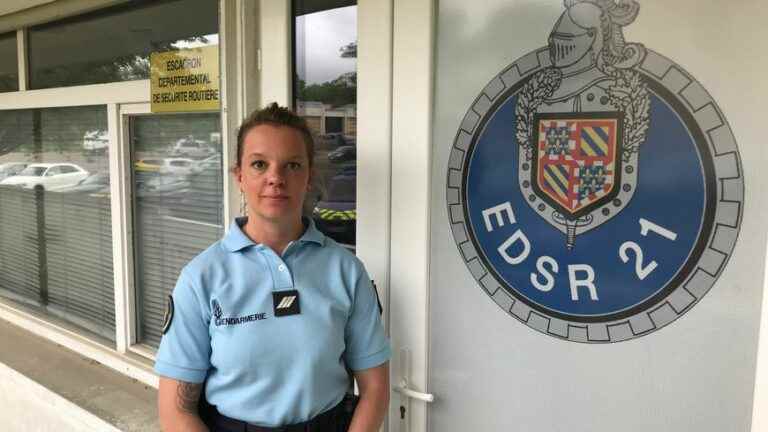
[[325, 94]]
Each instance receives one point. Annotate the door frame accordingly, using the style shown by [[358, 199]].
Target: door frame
[[412, 112], [394, 140]]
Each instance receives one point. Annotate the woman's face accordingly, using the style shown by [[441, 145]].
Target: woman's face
[[274, 174]]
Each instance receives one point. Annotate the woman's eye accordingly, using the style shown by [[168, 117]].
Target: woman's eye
[[259, 164], [294, 166]]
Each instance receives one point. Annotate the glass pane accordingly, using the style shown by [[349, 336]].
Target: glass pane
[[325, 85], [9, 66], [55, 218], [178, 205], [118, 40]]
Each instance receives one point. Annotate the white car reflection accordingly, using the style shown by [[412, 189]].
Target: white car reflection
[[10, 169], [177, 166], [49, 176]]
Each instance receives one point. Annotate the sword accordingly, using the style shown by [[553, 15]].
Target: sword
[[570, 227]]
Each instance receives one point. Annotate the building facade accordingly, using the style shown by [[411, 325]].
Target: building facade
[[559, 201]]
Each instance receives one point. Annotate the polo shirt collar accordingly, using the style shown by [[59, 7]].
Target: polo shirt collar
[[236, 240], [312, 234]]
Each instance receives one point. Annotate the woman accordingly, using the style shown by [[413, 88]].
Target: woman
[[274, 315]]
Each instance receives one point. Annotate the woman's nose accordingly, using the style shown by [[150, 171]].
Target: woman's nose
[[275, 176]]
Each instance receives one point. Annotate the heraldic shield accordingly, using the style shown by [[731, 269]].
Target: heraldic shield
[[576, 160]]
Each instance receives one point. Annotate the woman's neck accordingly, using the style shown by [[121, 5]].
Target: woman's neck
[[274, 235]]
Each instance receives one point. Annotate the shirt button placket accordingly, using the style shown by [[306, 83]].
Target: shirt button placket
[[284, 275]]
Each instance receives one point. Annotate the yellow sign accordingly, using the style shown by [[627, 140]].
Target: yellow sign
[[185, 80]]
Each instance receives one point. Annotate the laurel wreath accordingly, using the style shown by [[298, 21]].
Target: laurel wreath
[[629, 94], [538, 89]]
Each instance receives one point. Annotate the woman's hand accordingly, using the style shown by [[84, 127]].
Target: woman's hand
[[374, 399], [177, 405]]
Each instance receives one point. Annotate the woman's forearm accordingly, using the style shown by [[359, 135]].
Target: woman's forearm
[[369, 413], [374, 399], [177, 406]]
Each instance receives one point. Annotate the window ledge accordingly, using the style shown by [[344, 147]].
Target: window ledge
[[115, 399], [132, 365]]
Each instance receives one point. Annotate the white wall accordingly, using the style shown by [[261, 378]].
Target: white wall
[[491, 372], [760, 406]]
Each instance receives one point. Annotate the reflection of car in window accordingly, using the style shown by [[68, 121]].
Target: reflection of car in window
[[343, 154], [201, 202], [191, 147], [93, 184], [95, 142], [159, 189], [148, 165], [50, 176], [11, 169], [335, 214], [180, 166]]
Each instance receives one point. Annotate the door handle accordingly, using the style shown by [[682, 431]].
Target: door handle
[[406, 391]]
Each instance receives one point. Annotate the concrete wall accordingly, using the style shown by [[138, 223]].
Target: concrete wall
[[27, 406]]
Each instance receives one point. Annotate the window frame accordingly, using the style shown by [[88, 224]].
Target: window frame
[[128, 291], [255, 50], [123, 99]]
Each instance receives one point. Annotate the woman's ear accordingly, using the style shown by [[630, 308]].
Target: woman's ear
[[238, 173]]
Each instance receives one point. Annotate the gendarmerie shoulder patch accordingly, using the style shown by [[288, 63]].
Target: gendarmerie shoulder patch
[[168, 317]]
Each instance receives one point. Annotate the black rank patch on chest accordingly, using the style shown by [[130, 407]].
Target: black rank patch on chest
[[286, 303]]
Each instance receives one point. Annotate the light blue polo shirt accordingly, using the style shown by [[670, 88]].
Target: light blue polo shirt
[[263, 369]]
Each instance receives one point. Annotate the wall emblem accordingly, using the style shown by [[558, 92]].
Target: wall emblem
[[594, 187]]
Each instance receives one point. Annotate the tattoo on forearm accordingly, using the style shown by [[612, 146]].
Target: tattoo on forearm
[[188, 395]]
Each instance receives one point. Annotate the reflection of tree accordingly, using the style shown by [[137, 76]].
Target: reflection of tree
[[157, 133], [341, 91], [121, 68], [49, 129], [15, 130]]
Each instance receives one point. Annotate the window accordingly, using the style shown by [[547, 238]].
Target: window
[[56, 239], [118, 40], [333, 125], [178, 207], [325, 89], [9, 66]]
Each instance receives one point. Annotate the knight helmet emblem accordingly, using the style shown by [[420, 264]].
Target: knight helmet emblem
[[581, 121]]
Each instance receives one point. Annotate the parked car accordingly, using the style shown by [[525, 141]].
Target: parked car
[[335, 214], [160, 185], [210, 163], [191, 147], [202, 201], [180, 166], [50, 176], [156, 192], [11, 169], [148, 165], [93, 184], [95, 142], [343, 154]]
